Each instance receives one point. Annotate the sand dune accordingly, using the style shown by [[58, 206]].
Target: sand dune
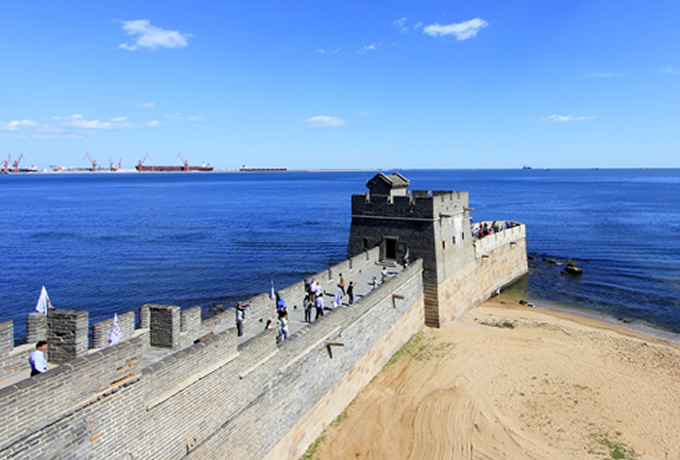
[[510, 382]]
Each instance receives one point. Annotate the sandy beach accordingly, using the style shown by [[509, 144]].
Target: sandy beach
[[508, 382]]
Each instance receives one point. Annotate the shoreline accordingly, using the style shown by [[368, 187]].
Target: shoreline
[[576, 313], [512, 295], [509, 381], [588, 318]]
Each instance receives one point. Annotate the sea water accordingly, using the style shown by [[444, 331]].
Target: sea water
[[111, 242]]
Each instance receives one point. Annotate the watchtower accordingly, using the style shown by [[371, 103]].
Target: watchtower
[[433, 226]]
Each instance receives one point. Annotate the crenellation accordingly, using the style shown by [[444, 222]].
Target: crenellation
[[144, 316], [190, 326], [164, 326], [6, 339], [36, 327], [67, 335]]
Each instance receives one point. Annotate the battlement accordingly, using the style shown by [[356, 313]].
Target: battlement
[[200, 399], [419, 204], [162, 327]]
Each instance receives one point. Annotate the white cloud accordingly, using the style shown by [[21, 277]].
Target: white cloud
[[78, 122], [401, 25], [461, 30], [324, 51], [58, 136], [179, 116], [16, 125], [418, 26], [153, 123], [564, 118], [669, 69], [152, 37], [367, 48], [67, 127], [146, 105], [323, 121]]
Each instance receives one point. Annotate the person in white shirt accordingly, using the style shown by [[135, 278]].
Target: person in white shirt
[[37, 359]]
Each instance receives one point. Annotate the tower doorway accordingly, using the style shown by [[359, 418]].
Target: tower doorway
[[390, 248]]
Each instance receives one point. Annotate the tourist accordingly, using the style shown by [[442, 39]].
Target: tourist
[[280, 305], [318, 290], [319, 307], [374, 283], [350, 292], [383, 275], [241, 316], [37, 359], [338, 296], [283, 327], [309, 304], [342, 283], [308, 287]]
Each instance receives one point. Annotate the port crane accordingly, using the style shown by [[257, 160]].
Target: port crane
[[5, 164], [15, 165], [186, 163], [92, 161], [140, 163], [113, 166]]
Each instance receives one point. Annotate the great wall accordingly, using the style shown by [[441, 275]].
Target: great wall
[[182, 386]]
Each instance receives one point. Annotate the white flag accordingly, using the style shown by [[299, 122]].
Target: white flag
[[272, 294], [43, 302], [116, 334]]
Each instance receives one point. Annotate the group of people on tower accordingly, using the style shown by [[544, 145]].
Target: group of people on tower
[[485, 229]]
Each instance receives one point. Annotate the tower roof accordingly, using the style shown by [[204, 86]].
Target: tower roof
[[389, 181]]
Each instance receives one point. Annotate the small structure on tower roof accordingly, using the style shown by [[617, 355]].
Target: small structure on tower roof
[[388, 185]]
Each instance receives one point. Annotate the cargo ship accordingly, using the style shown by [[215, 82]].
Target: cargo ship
[[247, 168], [156, 168], [185, 167]]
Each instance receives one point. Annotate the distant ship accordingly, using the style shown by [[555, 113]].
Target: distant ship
[[247, 168], [185, 167], [526, 167], [156, 168]]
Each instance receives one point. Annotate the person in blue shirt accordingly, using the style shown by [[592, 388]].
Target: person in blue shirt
[[280, 305]]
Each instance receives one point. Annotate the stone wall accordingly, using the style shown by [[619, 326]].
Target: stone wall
[[30, 409], [213, 399], [496, 266]]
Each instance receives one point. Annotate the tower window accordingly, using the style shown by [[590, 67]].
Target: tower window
[[443, 244]]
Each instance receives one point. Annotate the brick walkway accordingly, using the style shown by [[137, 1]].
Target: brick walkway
[[295, 307]]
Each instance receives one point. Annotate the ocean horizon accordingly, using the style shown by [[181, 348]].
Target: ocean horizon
[[108, 243]]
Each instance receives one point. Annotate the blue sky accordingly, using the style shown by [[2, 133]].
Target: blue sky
[[342, 84]]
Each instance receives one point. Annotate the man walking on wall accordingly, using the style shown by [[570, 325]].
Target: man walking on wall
[[240, 317], [37, 359]]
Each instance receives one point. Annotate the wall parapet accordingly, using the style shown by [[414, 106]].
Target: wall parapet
[[34, 403], [494, 241]]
